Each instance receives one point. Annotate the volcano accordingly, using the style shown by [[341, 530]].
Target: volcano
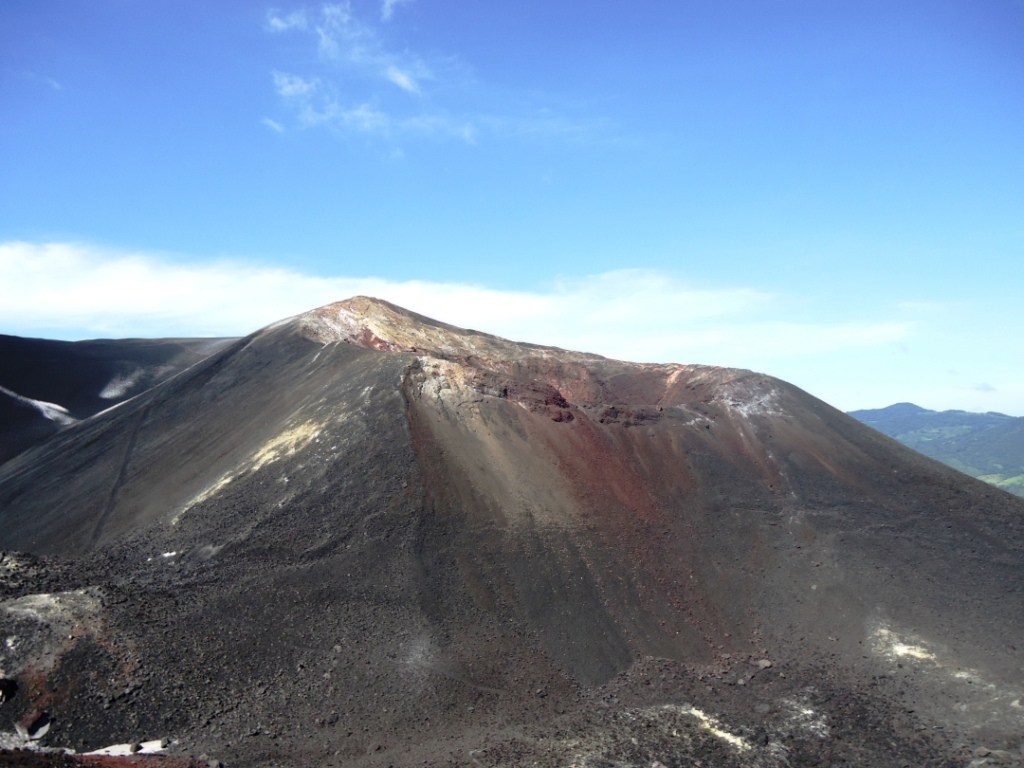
[[363, 537]]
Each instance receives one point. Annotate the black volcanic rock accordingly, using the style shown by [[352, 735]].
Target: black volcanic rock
[[362, 537], [46, 385]]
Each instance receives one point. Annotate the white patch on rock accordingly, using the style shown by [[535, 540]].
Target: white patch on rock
[[51, 411], [136, 748], [281, 446], [330, 327], [120, 384], [802, 716], [55, 609], [36, 627], [714, 727], [889, 645], [748, 399], [288, 443], [978, 701]]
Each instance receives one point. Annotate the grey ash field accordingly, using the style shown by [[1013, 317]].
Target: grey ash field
[[360, 537]]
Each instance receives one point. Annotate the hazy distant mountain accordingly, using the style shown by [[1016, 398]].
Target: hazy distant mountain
[[989, 446], [363, 538]]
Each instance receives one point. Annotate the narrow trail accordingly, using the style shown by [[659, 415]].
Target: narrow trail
[[119, 480]]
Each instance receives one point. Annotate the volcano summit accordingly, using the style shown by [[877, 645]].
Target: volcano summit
[[362, 537]]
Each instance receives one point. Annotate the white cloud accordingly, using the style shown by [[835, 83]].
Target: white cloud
[[632, 314], [361, 83], [277, 23], [35, 77], [291, 86], [342, 38], [69, 290], [338, 32], [352, 54], [402, 79], [366, 118], [273, 125], [440, 125], [316, 104], [387, 8]]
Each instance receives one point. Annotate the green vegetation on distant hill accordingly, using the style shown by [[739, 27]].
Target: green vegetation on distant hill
[[989, 446]]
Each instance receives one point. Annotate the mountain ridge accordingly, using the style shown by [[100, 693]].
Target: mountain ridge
[[988, 446]]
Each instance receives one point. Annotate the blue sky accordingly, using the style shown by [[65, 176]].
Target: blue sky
[[830, 192]]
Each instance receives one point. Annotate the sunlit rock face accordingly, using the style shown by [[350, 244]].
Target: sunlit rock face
[[363, 536]]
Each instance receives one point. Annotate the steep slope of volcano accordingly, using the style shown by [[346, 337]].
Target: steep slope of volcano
[[364, 537], [46, 385]]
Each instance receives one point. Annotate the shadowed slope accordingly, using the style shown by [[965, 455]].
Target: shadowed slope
[[46, 385], [375, 535]]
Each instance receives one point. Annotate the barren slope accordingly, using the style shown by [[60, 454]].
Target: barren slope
[[46, 385], [365, 537]]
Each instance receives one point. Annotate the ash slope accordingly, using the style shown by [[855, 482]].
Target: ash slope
[[365, 537], [46, 385]]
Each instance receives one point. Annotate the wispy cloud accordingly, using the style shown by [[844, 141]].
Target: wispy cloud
[[344, 39], [365, 117], [363, 81], [402, 79], [387, 8], [35, 77], [354, 62], [340, 35], [277, 22], [291, 86], [273, 125], [316, 103]]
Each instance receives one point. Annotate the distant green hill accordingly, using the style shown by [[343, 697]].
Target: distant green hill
[[989, 446]]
